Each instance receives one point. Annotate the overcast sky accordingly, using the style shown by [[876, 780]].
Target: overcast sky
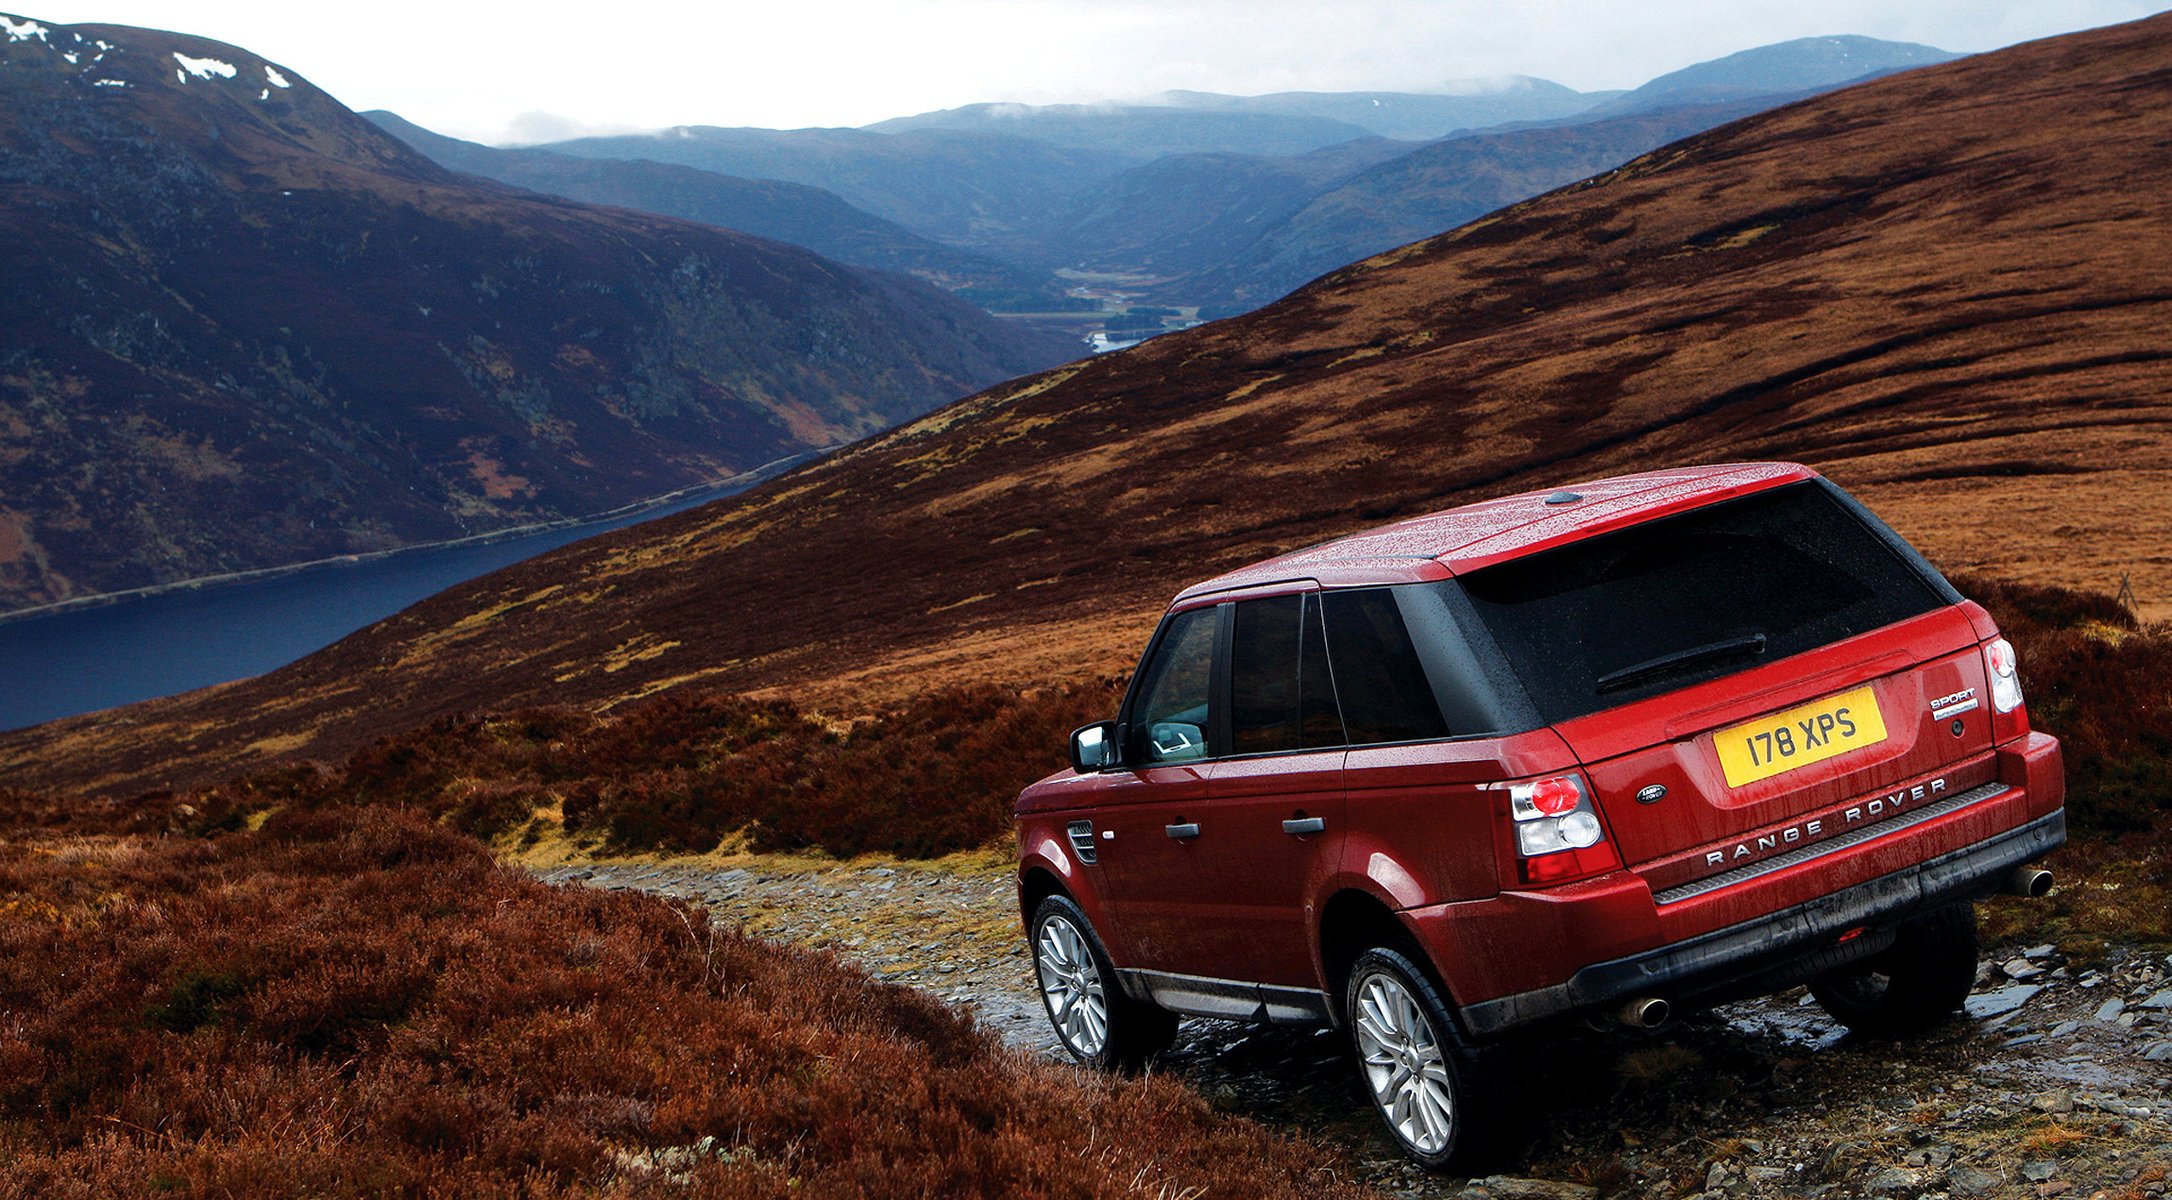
[[524, 71]]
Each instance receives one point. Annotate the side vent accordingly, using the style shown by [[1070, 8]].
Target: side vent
[[1082, 841]]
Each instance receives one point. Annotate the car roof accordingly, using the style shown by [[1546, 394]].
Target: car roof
[[1457, 540]]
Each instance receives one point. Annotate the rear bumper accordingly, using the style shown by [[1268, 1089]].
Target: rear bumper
[[1716, 962]]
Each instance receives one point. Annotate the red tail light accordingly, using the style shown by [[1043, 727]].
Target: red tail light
[[1558, 833]]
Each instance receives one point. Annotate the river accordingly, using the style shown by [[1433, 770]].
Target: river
[[81, 659]]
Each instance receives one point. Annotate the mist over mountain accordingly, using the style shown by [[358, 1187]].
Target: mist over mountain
[[247, 327], [1138, 132], [1413, 116]]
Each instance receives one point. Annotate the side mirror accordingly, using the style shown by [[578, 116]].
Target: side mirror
[[1093, 747]]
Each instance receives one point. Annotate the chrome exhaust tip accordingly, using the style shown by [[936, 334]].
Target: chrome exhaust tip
[[1644, 1012], [2033, 882]]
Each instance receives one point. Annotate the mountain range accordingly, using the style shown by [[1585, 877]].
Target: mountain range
[[1954, 305], [1187, 198], [247, 327]]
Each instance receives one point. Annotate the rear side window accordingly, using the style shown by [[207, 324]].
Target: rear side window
[[1169, 719], [1378, 677], [1281, 697], [1692, 597]]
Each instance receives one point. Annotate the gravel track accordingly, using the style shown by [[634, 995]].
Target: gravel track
[[2058, 1081]]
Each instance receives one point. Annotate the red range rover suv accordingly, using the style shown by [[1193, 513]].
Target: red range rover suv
[[1663, 740]]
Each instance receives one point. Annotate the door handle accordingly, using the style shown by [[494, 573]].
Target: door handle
[[1188, 829], [1302, 825]]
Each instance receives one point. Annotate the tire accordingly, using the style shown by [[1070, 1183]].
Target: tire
[[1911, 986], [1448, 1114], [1095, 1022]]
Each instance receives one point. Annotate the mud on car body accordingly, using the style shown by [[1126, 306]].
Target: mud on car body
[[1650, 742]]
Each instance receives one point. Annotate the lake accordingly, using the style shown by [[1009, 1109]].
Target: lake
[[83, 659]]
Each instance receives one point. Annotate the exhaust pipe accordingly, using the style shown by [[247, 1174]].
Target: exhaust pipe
[[1644, 1012], [2033, 882]]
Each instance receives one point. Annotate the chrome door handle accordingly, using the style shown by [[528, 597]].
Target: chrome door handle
[[1300, 825], [1189, 829]]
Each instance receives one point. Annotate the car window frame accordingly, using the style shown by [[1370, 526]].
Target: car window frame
[[1217, 680]]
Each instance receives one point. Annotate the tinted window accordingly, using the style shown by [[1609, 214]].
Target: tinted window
[[1693, 597], [1378, 678], [1281, 697], [1169, 719]]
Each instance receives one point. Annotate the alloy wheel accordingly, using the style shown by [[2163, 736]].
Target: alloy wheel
[[1404, 1064], [1071, 984]]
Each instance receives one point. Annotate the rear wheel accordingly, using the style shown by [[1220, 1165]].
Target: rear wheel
[[1910, 986], [1094, 1020], [1441, 1096]]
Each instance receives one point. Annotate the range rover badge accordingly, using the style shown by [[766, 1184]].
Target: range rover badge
[[1651, 793]]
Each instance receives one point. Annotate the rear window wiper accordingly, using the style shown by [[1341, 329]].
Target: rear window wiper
[[1752, 644]]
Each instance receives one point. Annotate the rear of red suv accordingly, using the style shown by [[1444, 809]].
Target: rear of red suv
[[1700, 734]]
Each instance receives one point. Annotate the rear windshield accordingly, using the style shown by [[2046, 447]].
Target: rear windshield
[[1693, 597]]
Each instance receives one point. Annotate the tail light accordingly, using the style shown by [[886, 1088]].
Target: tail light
[[2009, 719], [1558, 834]]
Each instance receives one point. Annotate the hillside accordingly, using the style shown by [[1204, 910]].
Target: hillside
[[1435, 187], [1186, 213], [246, 328], [785, 212], [1946, 288], [951, 185]]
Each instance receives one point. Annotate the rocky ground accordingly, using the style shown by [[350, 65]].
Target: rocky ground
[[2057, 1083]]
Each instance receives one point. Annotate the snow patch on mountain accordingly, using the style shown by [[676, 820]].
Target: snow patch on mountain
[[23, 31], [202, 68], [277, 80]]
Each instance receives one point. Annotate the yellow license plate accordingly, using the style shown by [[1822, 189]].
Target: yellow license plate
[[1800, 736]]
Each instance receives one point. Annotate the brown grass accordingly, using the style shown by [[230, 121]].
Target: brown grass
[[359, 1003], [678, 774]]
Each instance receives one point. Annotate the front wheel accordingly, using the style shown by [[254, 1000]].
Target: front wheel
[[1096, 1023], [1441, 1096], [1910, 986]]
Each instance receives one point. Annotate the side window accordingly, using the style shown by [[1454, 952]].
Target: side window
[[1169, 718], [1378, 678], [1281, 697]]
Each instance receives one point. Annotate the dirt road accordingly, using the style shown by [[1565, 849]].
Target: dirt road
[[2057, 1083]]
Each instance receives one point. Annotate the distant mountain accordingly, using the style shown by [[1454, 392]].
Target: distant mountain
[[1955, 307], [1189, 183], [1437, 187], [1232, 233], [1412, 116], [788, 212], [1191, 212], [1140, 132], [954, 186], [1805, 64], [247, 327]]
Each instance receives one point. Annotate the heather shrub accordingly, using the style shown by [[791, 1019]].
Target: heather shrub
[[355, 1001], [2102, 682]]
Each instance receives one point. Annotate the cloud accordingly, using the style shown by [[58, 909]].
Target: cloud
[[533, 128]]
